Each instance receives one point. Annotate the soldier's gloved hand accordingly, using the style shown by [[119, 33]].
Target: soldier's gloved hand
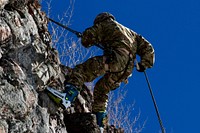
[[140, 67]]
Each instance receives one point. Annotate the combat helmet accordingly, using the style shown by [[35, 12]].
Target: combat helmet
[[103, 16]]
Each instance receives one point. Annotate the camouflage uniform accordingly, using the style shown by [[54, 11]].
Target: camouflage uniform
[[120, 48]]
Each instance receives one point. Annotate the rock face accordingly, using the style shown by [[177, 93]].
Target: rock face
[[28, 64]]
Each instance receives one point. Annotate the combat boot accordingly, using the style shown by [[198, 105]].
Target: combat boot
[[63, 99], [101, 119]]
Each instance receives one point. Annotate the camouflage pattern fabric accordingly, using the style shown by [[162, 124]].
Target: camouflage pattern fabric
[[125, 44]]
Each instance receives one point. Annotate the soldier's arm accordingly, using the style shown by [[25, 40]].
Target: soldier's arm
[[89, 36], [146, 52]]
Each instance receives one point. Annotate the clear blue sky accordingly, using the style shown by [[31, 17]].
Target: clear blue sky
[[173, 28]]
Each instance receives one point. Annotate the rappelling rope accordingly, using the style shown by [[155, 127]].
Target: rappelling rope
[[153, 98], [154, 102]]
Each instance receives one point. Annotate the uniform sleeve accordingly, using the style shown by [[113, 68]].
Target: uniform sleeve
[[89, 37], [146, 52]]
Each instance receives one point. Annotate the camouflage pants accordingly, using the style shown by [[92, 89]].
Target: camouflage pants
[[113, 73]]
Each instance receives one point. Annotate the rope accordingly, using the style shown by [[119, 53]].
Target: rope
[[154, 102], [78, 34]]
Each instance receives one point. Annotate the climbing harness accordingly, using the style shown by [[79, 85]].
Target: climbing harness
[[124, 69]]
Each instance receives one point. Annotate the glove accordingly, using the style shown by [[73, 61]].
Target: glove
[[140, 67]]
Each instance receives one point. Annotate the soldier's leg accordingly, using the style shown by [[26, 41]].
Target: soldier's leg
[[101, 90], [84, 72], [120, 68], [108, 82], [87, 71]]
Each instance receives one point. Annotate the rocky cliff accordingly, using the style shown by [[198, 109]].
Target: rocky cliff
[[28, 64]]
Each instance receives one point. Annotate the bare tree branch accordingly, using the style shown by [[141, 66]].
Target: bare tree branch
[[121, 115]]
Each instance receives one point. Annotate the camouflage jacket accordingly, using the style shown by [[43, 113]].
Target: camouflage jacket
[[111, 34]]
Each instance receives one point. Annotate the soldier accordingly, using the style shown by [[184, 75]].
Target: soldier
[[120, 45]]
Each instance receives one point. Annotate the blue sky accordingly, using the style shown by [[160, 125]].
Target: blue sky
[[172, 27]]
